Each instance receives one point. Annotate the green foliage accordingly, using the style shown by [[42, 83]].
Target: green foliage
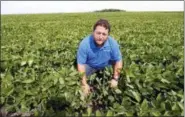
[[39, 76]]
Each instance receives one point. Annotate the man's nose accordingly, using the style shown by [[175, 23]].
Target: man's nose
[[101, 36]]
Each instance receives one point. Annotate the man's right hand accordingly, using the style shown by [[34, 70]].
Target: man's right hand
[[86, 89]]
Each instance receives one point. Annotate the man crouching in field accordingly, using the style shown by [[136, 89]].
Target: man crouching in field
[[98, 51]]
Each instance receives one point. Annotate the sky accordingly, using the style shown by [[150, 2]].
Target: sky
[[27, 7]]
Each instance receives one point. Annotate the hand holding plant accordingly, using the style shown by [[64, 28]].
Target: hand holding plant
[[86, 89], [113, 83]]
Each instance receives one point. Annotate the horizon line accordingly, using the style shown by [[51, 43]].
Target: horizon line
[[83, 12]]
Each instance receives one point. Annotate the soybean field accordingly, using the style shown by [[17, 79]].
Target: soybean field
[[39, 75]]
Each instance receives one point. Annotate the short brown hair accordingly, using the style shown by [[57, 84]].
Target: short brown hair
[[102, 22]]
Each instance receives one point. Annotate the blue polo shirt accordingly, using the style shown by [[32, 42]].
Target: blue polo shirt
[[98, 57]]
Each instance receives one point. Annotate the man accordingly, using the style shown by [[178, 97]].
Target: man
[[98, 51]]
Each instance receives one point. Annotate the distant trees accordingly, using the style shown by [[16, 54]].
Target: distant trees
[[110, 10]]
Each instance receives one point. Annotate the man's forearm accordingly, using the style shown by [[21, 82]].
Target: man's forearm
[[81, 69], [84, 80], [117, 69]]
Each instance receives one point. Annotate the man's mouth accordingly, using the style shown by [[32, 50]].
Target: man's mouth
[[99, 40]]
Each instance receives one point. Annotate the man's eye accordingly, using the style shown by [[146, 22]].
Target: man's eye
[[104, 34], [98, 33]]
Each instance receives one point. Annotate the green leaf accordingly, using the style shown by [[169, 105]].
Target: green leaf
[[72, 83], [2, 100], [23, 106], [111, 98], [61, 80], [168, 105], [129, 74], [82, 97], [11, 90], [165, 81], [136, 95], [163, 107], [120, 113], [182, 113], [144, 105], [173, 93], [23, 63], [109, 113], [73, 73], [98, 113], [129, 113], [36, 113], [130, 86], [28, 92], [138, 84], [118, 91], [155, 113], [66, 95], [89, 111], [167, 113], [175, 107], [116, 105], [180, 95], [180, 105], [30, 62], [28, 81], [55, 80], [84, 114], [105, 92], [159, 97]]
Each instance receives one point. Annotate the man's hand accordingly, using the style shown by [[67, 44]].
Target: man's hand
[[113, 83], [117, 70], [85, 86], [86, 89]]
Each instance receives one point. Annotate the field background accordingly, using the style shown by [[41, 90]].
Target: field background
[[38, 72]]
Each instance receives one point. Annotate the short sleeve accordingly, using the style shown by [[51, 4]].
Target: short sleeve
[[81, 54], [116, 53]]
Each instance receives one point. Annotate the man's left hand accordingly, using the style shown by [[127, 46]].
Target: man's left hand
[[113, 83]]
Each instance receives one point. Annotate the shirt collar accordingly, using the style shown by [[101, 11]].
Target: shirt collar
[[106, 44]]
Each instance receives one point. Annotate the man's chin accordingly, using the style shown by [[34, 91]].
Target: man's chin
[[99, 43]]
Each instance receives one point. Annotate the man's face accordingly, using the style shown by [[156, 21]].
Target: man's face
[[100, 35]]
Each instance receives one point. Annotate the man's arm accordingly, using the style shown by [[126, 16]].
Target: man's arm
[[85, 86], [117, 58], [117, 69], [81, 61], [81, 69]]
